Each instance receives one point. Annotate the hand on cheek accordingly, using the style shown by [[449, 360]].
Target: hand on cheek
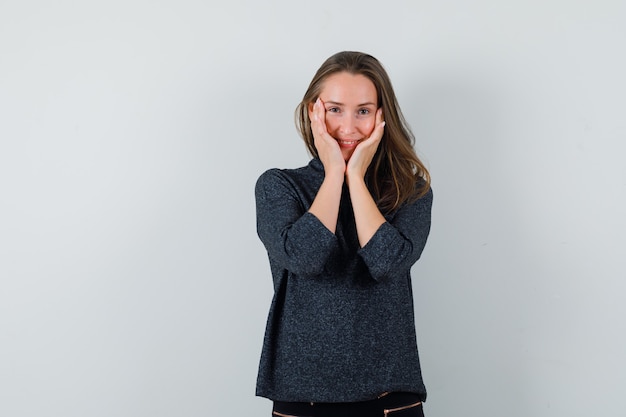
[[365, 151], [327, 147]]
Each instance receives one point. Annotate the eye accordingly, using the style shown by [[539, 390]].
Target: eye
[[333, 109], [364, 112]]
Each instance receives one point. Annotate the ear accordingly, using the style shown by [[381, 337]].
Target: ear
[[310, 109]]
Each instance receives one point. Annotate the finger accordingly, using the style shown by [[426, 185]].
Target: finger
[[380, 123], [314, 116], [320, 116], [313, 112], [379, 129], [321, 112]]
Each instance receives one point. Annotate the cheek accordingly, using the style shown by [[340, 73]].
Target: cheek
[[331, 124], [368, 126]]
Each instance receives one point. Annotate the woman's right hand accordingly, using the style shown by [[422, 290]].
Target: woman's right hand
[[327, 147]]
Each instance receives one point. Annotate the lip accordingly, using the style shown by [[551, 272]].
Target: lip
[[344, 143]]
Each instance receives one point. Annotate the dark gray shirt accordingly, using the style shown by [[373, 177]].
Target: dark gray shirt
[[341, 323]]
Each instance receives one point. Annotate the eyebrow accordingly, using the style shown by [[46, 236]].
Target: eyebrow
[[336, 103]]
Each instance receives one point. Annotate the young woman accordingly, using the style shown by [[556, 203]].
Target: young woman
[[342, 234]]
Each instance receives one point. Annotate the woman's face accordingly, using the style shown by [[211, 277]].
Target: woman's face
[[350, 101]]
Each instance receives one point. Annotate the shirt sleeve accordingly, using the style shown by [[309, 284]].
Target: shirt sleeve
[[399, 242], [294, 238]]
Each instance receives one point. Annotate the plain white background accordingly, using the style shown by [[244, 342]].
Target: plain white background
[[132, 132]]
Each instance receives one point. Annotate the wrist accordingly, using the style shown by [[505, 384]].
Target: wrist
[[355, 181], [334, 170], [335, 176], [354, 178]]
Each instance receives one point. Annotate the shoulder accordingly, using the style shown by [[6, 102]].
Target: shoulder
[[425, 198], [271, 182], [428, 195], [282, 176], [423, 192], [420, 203], [270, 176], [275, 176]]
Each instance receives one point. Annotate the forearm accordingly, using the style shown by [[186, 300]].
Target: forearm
[[295, 240], [367, 216], [326, 204], [399, 242]]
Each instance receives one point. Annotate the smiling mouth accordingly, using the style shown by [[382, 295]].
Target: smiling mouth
[[347, 143]]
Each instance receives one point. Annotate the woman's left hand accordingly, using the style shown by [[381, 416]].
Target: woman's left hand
[[364, 152]]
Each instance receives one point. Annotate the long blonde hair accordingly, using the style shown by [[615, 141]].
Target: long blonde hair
[[396, 174]]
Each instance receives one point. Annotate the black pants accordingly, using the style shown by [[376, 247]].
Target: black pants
[[395, 404]]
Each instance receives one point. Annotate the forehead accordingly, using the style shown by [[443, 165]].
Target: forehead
[[347, 88]]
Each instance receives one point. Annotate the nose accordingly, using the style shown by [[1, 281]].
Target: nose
[[348, 125]]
